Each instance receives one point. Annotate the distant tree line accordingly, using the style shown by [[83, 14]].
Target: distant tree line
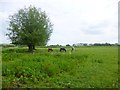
[[86, 44], [67, 45], [96, 44]]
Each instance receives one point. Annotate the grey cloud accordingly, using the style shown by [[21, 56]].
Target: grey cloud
[[99, 28], [74, 20], [92, 29]]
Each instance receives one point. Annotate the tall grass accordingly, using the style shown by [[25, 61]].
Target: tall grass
[[86, 67]]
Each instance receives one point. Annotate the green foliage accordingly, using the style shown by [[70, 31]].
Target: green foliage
[[7, 45], [90, 67], [30, 26]]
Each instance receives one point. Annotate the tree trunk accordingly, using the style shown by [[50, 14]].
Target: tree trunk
[[33, 47], [30, 48]]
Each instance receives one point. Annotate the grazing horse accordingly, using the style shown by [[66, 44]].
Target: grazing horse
[[62, 49], [72, 49], [50, 49]]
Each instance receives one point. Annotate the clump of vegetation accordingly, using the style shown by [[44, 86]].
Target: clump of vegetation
[[7, 45], [89, 67]]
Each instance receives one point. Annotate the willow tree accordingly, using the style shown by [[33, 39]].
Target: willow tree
[[30, 26]]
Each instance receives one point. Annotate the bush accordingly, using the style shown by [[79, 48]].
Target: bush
[[7, 45]]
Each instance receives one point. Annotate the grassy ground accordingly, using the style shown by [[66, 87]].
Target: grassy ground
[[86, 67]]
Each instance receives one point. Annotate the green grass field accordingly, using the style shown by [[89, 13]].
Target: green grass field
[[86, 67]]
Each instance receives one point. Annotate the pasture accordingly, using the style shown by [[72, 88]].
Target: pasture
[[86, 67]]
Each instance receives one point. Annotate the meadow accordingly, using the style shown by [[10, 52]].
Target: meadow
[[86, 67]]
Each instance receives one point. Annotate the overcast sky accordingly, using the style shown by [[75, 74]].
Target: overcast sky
[[75, 21]]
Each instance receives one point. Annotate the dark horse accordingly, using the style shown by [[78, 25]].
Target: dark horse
[[62, 49], [50, 49]]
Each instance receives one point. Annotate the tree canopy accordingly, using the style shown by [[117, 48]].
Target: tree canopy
[[30, 26]]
